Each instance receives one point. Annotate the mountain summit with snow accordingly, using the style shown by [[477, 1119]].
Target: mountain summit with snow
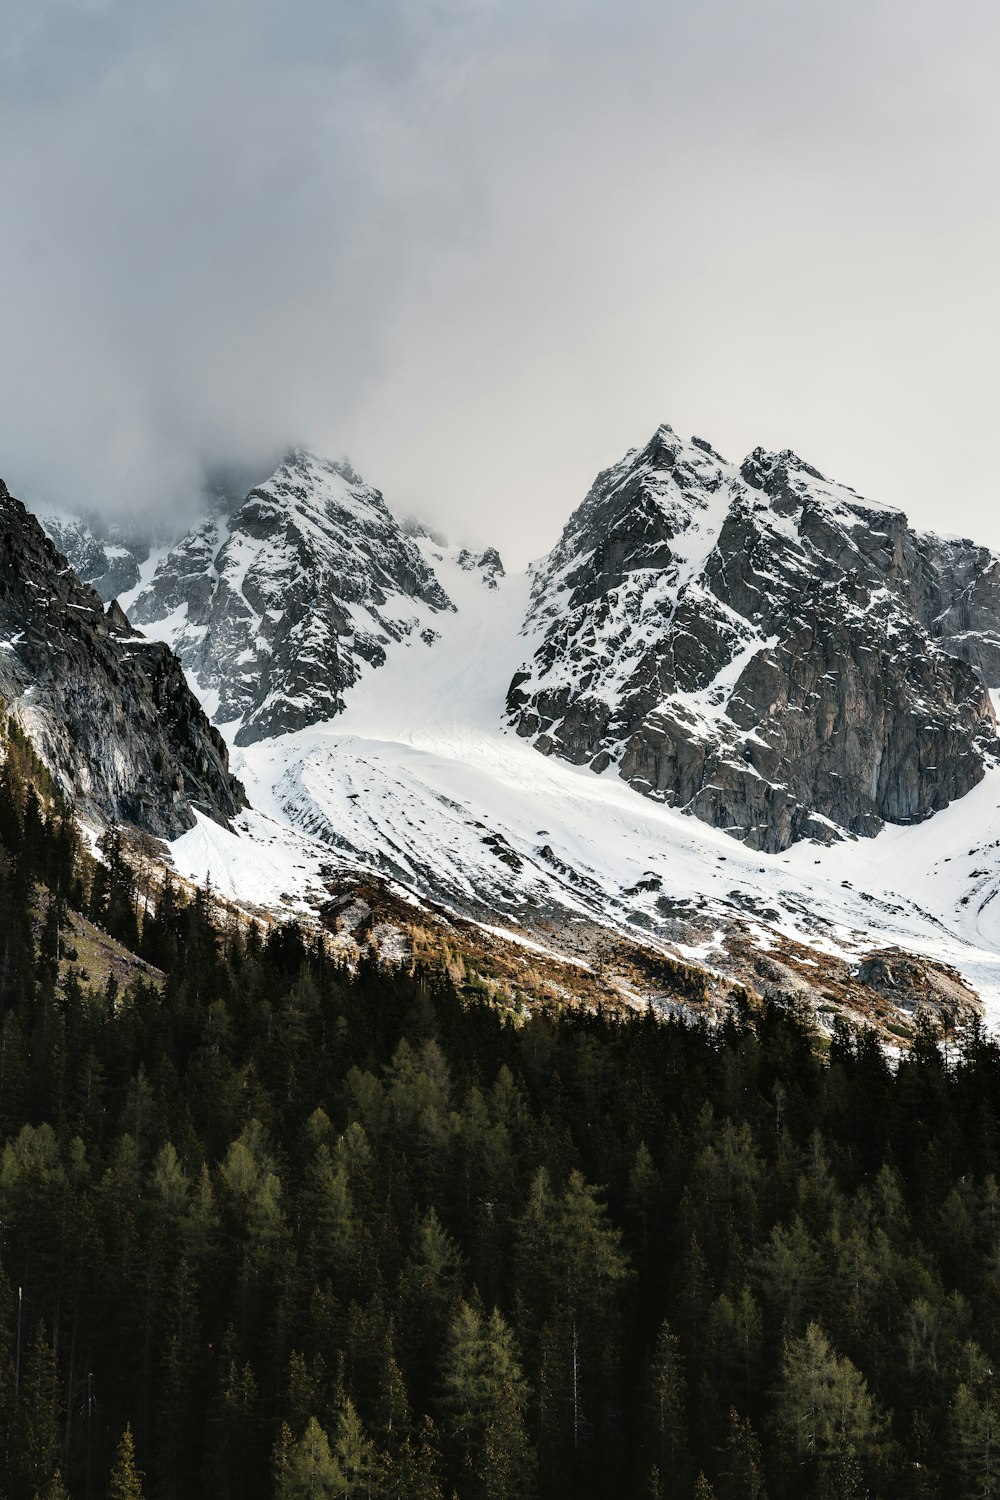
[[278, 604], [760, 647]]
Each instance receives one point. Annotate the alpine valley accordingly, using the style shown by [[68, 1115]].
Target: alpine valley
[[738, 724]]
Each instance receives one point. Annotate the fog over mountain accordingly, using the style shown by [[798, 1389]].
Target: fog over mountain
[[482, 248]]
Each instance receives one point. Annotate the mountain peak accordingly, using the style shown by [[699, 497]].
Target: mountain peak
[[769, 665], [278, 605], [309, 461], [763, 469], [666, 448]]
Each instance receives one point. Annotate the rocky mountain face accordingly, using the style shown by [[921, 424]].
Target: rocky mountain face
[[487, 564], [110, 713], [761, 647], [108, 557], [277, 604]]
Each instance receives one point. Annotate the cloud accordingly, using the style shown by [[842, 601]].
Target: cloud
[[485, 245]]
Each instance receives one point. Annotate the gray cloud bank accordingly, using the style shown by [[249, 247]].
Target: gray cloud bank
[[483, 246]]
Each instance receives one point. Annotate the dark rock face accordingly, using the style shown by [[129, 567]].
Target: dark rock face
[[283, 600], [488, 565], [106, 557], [110, 713], [761, 648]]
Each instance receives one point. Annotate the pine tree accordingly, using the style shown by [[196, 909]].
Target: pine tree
[[741, 1476], [353, 1451], [974, 1428], [789, 1270], [574, 1266], [307, 1470], [643, 1187], [177, 1419], [330, 1211], [38, 1434], [126, 1481], [232, 1455], [393, 1415], [412, 1472], [483, 1406], [428, 1291], [825, 1411], [666, 1404]]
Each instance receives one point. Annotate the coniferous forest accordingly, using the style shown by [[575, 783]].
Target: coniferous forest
[[276, 1229]]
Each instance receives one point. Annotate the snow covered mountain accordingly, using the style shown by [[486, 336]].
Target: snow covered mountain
[[279, 604], [750, 644], [417, 785], [761, 647]]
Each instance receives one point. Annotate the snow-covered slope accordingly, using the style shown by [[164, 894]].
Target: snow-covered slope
[[416, 780]]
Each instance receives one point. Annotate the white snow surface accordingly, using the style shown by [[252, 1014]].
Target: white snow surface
[[418, 780]]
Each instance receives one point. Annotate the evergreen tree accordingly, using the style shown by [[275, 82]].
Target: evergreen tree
[[429, 1288], [38, 1425], [666, 1405], [826, 1414], [643, 1189], [126, 1481], [741, 1470], [483, 1407], [412, 1472], [974, 1428], [307, 1470], [353, 1450], [232, 1454]]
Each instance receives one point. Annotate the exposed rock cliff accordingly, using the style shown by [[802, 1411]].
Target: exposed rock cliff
[[110, 713], [760, 647]]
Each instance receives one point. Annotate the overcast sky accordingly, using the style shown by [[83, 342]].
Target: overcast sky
[[485, 246]]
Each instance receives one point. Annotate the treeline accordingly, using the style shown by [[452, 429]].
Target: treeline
[[276, 1230]]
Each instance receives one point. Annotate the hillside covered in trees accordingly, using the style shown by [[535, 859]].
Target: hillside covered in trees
[[270, 1229]]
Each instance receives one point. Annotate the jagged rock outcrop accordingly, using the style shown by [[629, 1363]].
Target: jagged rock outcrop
[[107, 556], [487, 564], [110, 713], [760, 647], [278, 604]]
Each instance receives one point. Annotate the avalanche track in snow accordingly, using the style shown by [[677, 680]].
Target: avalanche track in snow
[[418, 782]]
